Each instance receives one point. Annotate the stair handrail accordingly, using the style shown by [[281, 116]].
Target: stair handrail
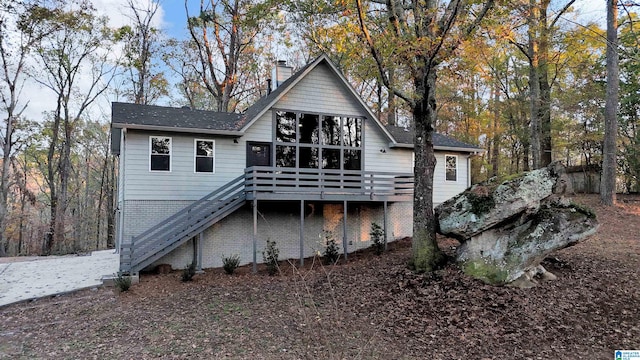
[[164, 247], [185, 211], [143, 243]]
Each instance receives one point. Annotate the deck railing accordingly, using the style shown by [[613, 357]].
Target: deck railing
[[275, 182]]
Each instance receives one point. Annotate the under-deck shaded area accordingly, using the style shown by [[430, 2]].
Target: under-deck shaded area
[[263, 184]]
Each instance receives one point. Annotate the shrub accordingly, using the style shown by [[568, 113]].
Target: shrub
[[331, 251], [230, 263], [270, 256], [377, 236], [122, 282], [189, 272]]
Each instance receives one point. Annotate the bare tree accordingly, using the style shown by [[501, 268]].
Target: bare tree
[[223, 33], [608, 181], [540, 28], [74, 55], [141, 42], [14, 52]]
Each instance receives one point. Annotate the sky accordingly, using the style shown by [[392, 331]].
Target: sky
[[171, 18]]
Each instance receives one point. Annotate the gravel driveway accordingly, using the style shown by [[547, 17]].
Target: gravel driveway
[[26, 278]]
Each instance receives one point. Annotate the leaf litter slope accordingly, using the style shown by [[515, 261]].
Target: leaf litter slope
[[371, 307]]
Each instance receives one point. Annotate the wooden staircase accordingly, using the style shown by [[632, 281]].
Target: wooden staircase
[[175, 230]]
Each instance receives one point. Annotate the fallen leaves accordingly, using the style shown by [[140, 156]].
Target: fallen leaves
[[370, 307]]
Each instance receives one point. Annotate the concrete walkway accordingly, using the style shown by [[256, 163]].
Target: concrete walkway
[[34, 277]]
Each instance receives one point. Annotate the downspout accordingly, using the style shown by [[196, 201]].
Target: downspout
[[121, 178], [469, 170]]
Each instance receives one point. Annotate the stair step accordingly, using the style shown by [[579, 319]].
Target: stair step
[[155, 242]]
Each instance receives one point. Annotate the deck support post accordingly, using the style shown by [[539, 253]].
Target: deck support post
[[255, 234], [197, 252], [301, 233], [385, 224], [344, 230]]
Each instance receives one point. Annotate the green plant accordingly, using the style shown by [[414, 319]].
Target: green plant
[[331, 251], [230, 263], [122, 282], [377, 236], [270, 256], [189, 272]]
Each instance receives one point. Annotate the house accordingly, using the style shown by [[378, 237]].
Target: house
[[306, 162]]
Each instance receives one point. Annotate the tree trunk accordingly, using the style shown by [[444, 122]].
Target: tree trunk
[[391, 101], [544, 115], [426, 254], [495, 149], [4, 186], [534, 88], [608, 181]]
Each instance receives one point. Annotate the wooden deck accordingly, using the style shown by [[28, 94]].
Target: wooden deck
[[274, 183], [263, 183]]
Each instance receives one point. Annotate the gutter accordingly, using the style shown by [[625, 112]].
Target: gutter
[[178, 129], [474, 151]]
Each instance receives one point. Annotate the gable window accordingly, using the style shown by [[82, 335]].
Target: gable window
[[314, 141], [204, 156], [159, 153], [451, 167]]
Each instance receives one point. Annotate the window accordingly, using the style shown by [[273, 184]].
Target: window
[[451, 167], [312, 141], [204, 153], [160, 153]]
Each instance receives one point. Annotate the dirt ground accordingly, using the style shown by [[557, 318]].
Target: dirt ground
[[371, 307]]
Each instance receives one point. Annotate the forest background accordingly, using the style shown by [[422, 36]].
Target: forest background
[[63, 61]]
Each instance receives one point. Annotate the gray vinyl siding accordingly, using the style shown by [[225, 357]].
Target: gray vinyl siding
[[259, 131], [443, 189], [392, 160], [181, 183], [321, 92]]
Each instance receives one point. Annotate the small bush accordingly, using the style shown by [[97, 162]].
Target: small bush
[[331, 251], [270, 256], [122, 282], [230, 263], [377, 236], [189, 272]]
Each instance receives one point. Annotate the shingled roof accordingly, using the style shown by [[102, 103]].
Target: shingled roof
[[152, 117], [162, 118], [404, 136]]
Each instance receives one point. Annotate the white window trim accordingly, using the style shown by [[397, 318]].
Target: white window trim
[[195, 156], [170, 153], [445, 167]]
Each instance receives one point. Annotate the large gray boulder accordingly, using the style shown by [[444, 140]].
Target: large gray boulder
[[506, 229], [485, 205]]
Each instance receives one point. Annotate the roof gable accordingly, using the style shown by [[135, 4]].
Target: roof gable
[[255, 111]]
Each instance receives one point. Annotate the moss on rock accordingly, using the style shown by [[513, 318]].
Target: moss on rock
[[481, 204], [487, 271]]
